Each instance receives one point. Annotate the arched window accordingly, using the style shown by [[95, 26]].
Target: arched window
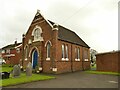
[[66, 48], [85, 55], [37, 32], [48, 49], [26, 52], [77, 54], [63, 51]]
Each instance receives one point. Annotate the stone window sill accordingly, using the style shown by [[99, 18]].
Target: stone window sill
[[65, 59], [54, 69], [77, 59], [86, 60], [39, 39], [26, 59], [47, 59]]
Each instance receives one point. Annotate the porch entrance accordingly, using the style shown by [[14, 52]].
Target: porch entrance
[[34, 58]]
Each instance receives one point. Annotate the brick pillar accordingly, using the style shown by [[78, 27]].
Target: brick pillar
[[54, 47], [23, 44]]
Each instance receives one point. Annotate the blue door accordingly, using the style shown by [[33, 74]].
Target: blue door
[[35, 58]]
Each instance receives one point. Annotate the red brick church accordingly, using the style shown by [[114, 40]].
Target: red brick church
[[54, 48]]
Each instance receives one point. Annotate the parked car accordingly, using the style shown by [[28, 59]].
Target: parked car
[[2, 61]]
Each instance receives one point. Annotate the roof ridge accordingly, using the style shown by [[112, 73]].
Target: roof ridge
[[61, 26], [8, 46]]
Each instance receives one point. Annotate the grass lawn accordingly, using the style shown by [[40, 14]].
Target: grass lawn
[[106, 73], [93, 71], [5, 69], [23, 78]]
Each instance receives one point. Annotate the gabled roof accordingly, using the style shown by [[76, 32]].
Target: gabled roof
[[63, 33], [11, 46], [69, 36]]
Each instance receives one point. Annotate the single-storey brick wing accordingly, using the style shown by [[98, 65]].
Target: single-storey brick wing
[[54, 48], [108, 61]]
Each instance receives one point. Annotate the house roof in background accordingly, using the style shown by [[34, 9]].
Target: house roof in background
[[11, 46]]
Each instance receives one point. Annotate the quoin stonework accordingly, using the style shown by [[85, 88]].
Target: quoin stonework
[[54, 48]]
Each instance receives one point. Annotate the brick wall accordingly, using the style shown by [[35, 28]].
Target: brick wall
[[71, 64], [12, 60], [108, 61]]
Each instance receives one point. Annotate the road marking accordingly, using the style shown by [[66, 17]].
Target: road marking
[[112, 82]]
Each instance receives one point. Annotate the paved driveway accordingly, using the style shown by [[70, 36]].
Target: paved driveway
[[75, 80]]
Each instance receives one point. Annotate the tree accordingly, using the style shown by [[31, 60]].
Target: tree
[[92, 56]]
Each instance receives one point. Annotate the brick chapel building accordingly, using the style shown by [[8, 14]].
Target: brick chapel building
[[54, 48]]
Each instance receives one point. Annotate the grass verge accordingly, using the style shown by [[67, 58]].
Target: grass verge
[[5, 69], [106, 73], [24, 79]]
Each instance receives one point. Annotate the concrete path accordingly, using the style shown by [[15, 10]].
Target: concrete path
[[75, 80]]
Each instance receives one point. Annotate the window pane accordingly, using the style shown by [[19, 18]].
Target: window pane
[[3, 51], [85, 54], [66, 51], [26, 52], [75, 53], [37, 33], [63, 52], [8, 51], [48, 50], [78, 53]]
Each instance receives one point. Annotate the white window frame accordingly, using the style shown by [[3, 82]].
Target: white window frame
[[37, 31], [77, 54], [3, 51], [8, 51], [86, 57], [18, 50], [37, 34], [63, 52], [66, 51], [26, 52], [48, 52], [48, 58]]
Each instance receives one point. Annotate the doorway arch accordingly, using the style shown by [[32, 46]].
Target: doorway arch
[[34, 58]]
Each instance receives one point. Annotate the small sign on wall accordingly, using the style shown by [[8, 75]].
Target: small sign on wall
[[54, 69]]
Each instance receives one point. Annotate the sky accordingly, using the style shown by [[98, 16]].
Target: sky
[[95, 21]]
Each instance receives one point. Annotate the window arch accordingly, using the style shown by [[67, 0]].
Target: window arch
[[48, 49], [26, 52], [77, 54], [63, 50], [48, 45], [37, 33]]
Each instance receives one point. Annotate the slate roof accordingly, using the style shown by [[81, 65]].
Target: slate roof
[[69, 36], [11, 46]]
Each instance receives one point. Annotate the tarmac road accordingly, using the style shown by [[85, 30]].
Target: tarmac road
[[79, 79]]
